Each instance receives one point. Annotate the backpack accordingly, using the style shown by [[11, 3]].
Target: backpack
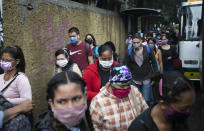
[[18, 123], [95, 52], [149, 53]]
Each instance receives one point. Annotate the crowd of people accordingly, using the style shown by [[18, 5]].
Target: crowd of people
[[92, 89]]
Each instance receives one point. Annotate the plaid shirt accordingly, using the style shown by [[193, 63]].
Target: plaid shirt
[[111, 113]]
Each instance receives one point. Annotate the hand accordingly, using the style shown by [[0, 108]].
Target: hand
[[26, 106], [107, 84], [169, 58]]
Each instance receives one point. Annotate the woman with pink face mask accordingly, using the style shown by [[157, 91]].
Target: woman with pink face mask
[[169, 53], [118, 103], [14, 84], [176, 96], [67, 99]]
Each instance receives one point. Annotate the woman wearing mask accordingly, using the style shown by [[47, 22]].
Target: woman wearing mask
[[151, 43], [118, 103], [63, 63], [14, 84], [168, 54], [66, 96], [97, 74], [90, 39], [176, 96], [112, 46]]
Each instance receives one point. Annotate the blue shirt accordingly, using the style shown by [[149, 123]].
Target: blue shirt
[[129, 43], [73, 128], [1, 116]]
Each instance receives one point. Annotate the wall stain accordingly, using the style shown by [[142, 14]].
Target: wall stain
[[50, 38]]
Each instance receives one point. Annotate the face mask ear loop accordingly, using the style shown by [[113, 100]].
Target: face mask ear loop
[[160, 87]]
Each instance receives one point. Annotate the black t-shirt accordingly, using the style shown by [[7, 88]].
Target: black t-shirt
[[168, 53], [104, 75], [144, 122]]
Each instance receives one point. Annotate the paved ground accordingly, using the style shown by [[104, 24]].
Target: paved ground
[[196, 121]]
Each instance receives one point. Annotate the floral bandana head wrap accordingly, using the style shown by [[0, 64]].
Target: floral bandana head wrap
[[119, 75]]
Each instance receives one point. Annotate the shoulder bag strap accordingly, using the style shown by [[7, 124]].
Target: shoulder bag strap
[[9, 84]]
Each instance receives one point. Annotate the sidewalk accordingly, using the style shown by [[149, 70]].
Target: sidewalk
[[196, 120]]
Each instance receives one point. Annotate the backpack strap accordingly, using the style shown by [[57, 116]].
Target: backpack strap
[[149, 53], [9, 83], [96, 50], [87, 49], [71, 67], [148, 49], [129, 51]]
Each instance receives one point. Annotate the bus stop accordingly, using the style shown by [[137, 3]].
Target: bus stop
[[142, 18]]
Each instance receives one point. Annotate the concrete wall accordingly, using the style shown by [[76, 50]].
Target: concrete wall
[[43, 30]]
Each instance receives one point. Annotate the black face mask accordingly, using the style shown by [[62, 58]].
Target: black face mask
[[176, 115], [89, 41]]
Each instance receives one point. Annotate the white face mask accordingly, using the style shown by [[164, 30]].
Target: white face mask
[[106, 64], [62, 63]]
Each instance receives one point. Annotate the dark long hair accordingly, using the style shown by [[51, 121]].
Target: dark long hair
[[92, 36], [173, 84], [111, 45], [17, 53], [104, 48], [155, 50], [62, 78]]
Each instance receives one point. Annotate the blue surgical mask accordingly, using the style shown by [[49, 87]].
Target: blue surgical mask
[[139, 31], [154, 36], [73, 40], [151, 46], [136, 46]]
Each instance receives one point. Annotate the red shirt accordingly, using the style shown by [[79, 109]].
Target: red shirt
[[93, 79], [78, 54]]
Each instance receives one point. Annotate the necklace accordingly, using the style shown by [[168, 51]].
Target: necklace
[[7, 78], [5, 81]]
